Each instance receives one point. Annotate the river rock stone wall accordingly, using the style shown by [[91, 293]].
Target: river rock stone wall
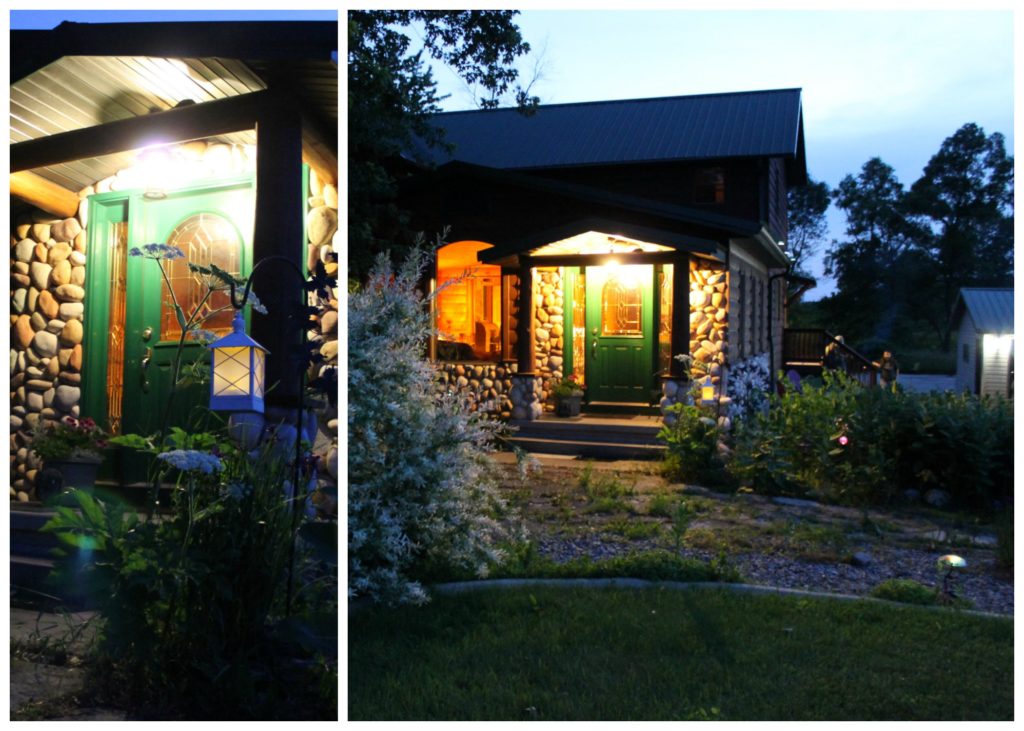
[[47, 308], [527, 397], [709, 320], [548, 330], [324, 242], [487, 387]]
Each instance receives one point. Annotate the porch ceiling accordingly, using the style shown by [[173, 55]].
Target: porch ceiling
[[76, 92]]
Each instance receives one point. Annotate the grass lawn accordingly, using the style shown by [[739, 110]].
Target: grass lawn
[[558, 654]]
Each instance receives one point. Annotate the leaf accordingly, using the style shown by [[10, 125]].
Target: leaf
[[180, 316], [132, 441]]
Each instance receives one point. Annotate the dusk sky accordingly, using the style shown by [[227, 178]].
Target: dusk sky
[[877, 83]]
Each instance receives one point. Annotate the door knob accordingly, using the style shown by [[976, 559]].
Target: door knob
[[593, 348]]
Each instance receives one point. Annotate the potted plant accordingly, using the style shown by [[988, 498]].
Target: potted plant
[[568, 393], [73, 448]]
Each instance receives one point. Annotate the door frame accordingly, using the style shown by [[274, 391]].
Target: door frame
[[650, 322], [106, 209]]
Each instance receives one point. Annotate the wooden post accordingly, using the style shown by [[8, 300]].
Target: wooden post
[[525, 347], [680, 314], [279, 231]]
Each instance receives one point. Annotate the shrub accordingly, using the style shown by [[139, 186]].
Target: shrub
[[193, 603], [421, 490], [907, 591], [692, 441], [859, 446]]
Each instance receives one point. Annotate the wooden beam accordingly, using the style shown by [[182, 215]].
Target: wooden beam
[[44, 194], [320, 150], [208, 119]]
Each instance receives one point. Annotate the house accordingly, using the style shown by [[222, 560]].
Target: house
[[604, 239], [216, 137], [983, 321]]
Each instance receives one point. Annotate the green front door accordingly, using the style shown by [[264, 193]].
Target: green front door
[[620, 333], [133, 332]]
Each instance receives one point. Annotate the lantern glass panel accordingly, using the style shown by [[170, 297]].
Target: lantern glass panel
[[257, 372], [231, 371]]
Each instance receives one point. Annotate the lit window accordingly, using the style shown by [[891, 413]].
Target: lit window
[[468, 307], [622, 303]]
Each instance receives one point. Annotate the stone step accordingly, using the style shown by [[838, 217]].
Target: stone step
[[589, 449], [589, 429]]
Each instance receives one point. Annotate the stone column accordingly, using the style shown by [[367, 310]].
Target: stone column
[[526, 396]]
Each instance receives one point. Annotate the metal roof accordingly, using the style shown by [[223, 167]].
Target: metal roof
[[99, 73], [990, 309], [706, 126]]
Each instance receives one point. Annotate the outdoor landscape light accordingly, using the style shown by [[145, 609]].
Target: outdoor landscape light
[[707, 391], [947, 565], [237, 371]]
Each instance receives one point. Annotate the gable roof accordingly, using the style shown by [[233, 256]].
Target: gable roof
[[706, 126], [990, 308]]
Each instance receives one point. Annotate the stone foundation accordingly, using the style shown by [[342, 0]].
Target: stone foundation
[[487, 387], [548, 330]]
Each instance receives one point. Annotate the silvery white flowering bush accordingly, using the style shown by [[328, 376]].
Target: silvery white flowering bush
[[421, 489], [749, 387]]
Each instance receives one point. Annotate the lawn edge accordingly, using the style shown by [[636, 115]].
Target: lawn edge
[[463, 587]]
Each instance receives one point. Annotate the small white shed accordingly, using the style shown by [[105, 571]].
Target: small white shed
[[983, 322]]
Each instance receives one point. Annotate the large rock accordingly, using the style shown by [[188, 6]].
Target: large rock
[[62, 273], [83, 213], [77, 259], [38, 321], [72, 333], [330, 194], [71, 310], [321, 223], [33, 298], [24, 250], [66, 397], [66, 230], [45, 344], [20, 280], [40, 275], [329, 322], [41, 232], [48, 304], [60, 251], [329, 350], [75, 361], [77, 275], [23, 332], [70, 293], [18, 298]]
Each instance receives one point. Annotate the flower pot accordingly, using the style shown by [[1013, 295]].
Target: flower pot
[[568, 405]]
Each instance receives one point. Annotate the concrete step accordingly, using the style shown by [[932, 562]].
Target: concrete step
[[608, 437]]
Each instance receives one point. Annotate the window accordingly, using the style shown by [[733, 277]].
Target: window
[[622, 304], [468, 314], [709, 186]]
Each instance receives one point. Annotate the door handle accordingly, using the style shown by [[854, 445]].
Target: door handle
[[144, 370], [593, 348]]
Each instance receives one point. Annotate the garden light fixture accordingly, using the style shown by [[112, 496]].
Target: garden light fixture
[[948, 565], [707, 391], [237, 371]]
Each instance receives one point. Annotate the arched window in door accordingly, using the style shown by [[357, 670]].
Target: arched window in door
[[206, 238], [622, 303]]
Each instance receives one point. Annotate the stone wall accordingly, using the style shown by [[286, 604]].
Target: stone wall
[[548, 330], [47, 309], [709, 319], [324, 245], [487, 387]]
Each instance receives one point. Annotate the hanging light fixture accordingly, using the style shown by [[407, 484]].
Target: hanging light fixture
[[237, 369]]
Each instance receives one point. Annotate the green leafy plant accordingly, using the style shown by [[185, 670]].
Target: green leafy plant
[[681, 520], [193, 603], [571, 385], [692, 441], [69, 438]]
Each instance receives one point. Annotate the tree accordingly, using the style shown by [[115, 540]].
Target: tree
[[807, 227], [392, 94], [871, 265], [964, 200]]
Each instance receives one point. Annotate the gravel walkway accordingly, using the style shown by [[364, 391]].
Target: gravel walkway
[[989, 593]]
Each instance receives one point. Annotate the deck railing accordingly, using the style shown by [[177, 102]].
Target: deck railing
[[804, 349]]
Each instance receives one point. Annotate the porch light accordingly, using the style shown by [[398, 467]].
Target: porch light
[[237, 371], [707, 391], [154, 165]]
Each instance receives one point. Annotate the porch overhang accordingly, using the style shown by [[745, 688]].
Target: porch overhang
[[510, 254]]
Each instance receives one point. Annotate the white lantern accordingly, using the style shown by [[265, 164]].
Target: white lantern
[[237, 368]]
